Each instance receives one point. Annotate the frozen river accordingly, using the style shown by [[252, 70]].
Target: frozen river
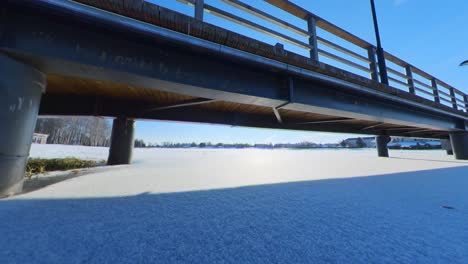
[[244, 206]]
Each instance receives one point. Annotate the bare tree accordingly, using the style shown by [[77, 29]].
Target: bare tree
[[89, 131]]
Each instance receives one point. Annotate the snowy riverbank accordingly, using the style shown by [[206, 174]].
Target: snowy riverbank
[[291, 206]]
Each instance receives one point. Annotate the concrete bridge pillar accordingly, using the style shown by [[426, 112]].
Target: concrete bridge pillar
[[447, 146], [122, 141], [21, 87], [459, 142], [381, 144]]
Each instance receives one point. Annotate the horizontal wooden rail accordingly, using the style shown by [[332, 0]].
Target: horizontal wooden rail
[[321, 23], [409, 76], [221, 13], [397, 73], [397, 81], [265, 16], [445, 94], [423, 91], [423, 84], [342, 49], [344, 61]]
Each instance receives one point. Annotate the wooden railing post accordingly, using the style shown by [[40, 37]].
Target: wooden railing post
[[453, 98], [312, 28], [435, 90], [373, 63], [409, 78], [465, 99], [199, 7]]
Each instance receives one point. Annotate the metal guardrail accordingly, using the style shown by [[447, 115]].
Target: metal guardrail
[[401, 74]]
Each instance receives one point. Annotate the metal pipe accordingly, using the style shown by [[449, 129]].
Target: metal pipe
[[380, 51]]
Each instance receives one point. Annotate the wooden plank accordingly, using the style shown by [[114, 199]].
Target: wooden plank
[[445, 94], [423, 91], [344, 61], [342, 49], [397, 81], [445, 100], [321, 23], [395, 60], [265, 16], [244, 22], [397, 73], [423, 84]]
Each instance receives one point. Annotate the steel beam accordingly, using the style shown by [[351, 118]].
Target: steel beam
[[338, 120], [21, 87], [111, 107], [373, 126], [193, 102]]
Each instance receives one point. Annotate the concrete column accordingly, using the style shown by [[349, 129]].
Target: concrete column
[[122, 141], [459, 142], [381, 144], [21, 87], [447, 146]]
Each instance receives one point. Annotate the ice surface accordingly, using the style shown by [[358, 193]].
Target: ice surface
[[289, 206]]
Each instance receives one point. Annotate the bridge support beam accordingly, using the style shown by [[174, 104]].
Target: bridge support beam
[[21, 87], [381, 144], [459, 142], [447, 146], [122, 141]]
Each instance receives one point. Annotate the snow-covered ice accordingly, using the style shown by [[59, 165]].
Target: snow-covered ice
[[244, 206]]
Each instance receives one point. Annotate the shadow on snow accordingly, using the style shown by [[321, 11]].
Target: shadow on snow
[[381, 219]]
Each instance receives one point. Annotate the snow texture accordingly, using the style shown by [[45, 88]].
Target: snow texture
[[178, 206]]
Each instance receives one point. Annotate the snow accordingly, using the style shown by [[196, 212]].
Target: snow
[[245, 206], [62, 151]]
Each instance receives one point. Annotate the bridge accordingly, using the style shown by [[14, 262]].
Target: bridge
[[132, 59]]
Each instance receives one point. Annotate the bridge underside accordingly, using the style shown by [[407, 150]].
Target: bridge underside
[[122, 67], [74, 96]]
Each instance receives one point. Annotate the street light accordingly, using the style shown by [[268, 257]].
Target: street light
[[464, 63], [380, 51]]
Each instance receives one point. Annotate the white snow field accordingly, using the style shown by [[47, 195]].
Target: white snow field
[[244, 206]]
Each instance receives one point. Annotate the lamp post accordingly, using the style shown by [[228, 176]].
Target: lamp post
[[380, 51]]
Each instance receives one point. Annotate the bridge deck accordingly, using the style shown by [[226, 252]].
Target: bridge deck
[[68, 94], [163, 17]]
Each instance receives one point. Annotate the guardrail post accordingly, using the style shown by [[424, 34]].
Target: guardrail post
[[465, 99], [435, 90], [453, 99], [312, 28], [409, 78], [371, 53], [199, 7]]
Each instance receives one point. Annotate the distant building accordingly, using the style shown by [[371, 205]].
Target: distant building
[[414, 143], [40, 138], [330, 145]]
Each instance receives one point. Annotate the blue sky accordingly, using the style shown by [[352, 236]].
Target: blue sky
[[429, 34]]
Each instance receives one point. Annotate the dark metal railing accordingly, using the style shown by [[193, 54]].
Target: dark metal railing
[[352, 52]]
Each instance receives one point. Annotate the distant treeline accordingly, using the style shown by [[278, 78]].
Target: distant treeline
[[87, 131], [302, 145]]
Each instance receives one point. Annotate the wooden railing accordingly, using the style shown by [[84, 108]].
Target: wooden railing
[[325, 42]]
